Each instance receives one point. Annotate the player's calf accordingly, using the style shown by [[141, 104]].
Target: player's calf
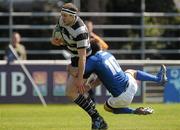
[[121, 110], [126, 110]]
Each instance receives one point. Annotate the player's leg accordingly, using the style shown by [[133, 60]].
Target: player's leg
[[86, 104], [80, 99], [120, 110], [97, 123], [119, 105], [71, 90], [91, 95], [92, 78], [144, 76]]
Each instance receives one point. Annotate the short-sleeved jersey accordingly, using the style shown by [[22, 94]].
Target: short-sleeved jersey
[[75, 36], [109, 72]]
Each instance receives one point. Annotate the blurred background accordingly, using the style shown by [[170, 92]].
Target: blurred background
[[142, 34], [133, 29]]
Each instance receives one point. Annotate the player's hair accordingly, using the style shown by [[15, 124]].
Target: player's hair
[[69, 8], [95, 47]]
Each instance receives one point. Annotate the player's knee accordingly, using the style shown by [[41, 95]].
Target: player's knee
[[71, 93], [132, 72]]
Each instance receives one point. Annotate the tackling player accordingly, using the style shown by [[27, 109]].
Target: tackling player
[[121, 85]]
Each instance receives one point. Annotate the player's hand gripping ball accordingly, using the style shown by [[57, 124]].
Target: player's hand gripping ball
[[57, 39]]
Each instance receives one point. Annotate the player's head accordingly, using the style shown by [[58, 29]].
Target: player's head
[[95, 47], [68, 13]]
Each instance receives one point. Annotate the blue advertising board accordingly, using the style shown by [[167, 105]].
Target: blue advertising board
[[15, 87], [172, 88]]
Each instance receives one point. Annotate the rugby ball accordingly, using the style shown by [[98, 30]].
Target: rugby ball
[[57, 37], [57, 33]]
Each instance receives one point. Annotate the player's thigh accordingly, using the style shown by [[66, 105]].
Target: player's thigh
[[71, 89]]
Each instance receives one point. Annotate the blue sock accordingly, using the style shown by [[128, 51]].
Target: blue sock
[[125, 110], [143, 76]]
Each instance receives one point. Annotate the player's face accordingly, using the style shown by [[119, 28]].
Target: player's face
[[67, 18]]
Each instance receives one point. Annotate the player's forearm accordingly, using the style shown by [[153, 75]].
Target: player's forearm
[[81, 62], [81, 66]]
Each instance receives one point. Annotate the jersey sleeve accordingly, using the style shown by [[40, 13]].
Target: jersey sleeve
[[82, 37], [82, 41]]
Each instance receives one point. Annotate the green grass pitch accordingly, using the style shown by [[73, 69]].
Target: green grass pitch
[[70, 117]]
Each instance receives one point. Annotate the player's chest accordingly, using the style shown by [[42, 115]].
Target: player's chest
[[68, 34]]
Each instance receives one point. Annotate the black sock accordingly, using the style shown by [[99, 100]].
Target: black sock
[[87, 105], [91, 95]]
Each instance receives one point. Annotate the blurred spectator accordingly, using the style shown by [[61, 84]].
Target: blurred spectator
[[95, 37], [19, 48]]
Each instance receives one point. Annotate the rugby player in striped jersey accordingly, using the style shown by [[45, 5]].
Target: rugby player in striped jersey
[[71, 32]]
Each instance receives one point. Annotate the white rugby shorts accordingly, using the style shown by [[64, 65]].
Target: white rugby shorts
[[124, 99]]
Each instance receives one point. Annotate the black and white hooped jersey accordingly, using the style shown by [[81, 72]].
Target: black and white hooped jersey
[[75, 36]]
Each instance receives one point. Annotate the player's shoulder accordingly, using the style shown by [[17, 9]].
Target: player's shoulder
[[60, 22], [78, 24], [79, 29], [93, 58], [103, 53]]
